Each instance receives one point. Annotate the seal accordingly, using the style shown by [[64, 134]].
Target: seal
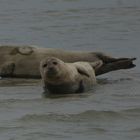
[[24, 61], [59, 77]]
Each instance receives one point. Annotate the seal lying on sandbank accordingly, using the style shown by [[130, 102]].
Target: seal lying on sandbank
[[60, 77], [23, 61]]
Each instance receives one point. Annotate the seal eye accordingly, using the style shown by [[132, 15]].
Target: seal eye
[[45, 65], [55, 63]]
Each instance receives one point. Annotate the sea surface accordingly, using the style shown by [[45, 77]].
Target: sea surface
[[111, 111]]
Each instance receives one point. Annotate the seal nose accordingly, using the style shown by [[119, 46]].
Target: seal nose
[[51, 68]]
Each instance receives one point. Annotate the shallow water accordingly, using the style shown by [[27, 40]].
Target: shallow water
[[110, 111]]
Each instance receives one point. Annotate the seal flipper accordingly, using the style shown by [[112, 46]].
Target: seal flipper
[[80, 88], [97, 64], [82, 71], [7, 69]]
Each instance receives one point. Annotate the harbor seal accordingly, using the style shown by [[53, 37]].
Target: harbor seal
[[23, 61], [59, 77]]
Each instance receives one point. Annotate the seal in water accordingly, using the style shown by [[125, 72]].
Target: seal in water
[[61, 78]]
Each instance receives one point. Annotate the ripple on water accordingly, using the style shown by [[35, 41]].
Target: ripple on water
[[84, 116]]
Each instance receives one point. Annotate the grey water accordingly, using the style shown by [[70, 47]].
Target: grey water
[[110, 111]]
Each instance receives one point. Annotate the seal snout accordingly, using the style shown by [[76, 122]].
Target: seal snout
[[51, 70]]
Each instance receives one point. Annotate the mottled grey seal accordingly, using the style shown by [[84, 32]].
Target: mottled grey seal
[[61, 78], [23, 61]]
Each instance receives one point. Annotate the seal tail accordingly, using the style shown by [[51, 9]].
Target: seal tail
[[122, 63], [108, 59]]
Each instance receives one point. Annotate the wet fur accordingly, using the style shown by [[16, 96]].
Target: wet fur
[[74, 77]]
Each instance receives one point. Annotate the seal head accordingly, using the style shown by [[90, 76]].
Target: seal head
[[51, 69]]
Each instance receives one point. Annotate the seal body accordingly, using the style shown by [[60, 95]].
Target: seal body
[[23, 61], [61, 78]]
